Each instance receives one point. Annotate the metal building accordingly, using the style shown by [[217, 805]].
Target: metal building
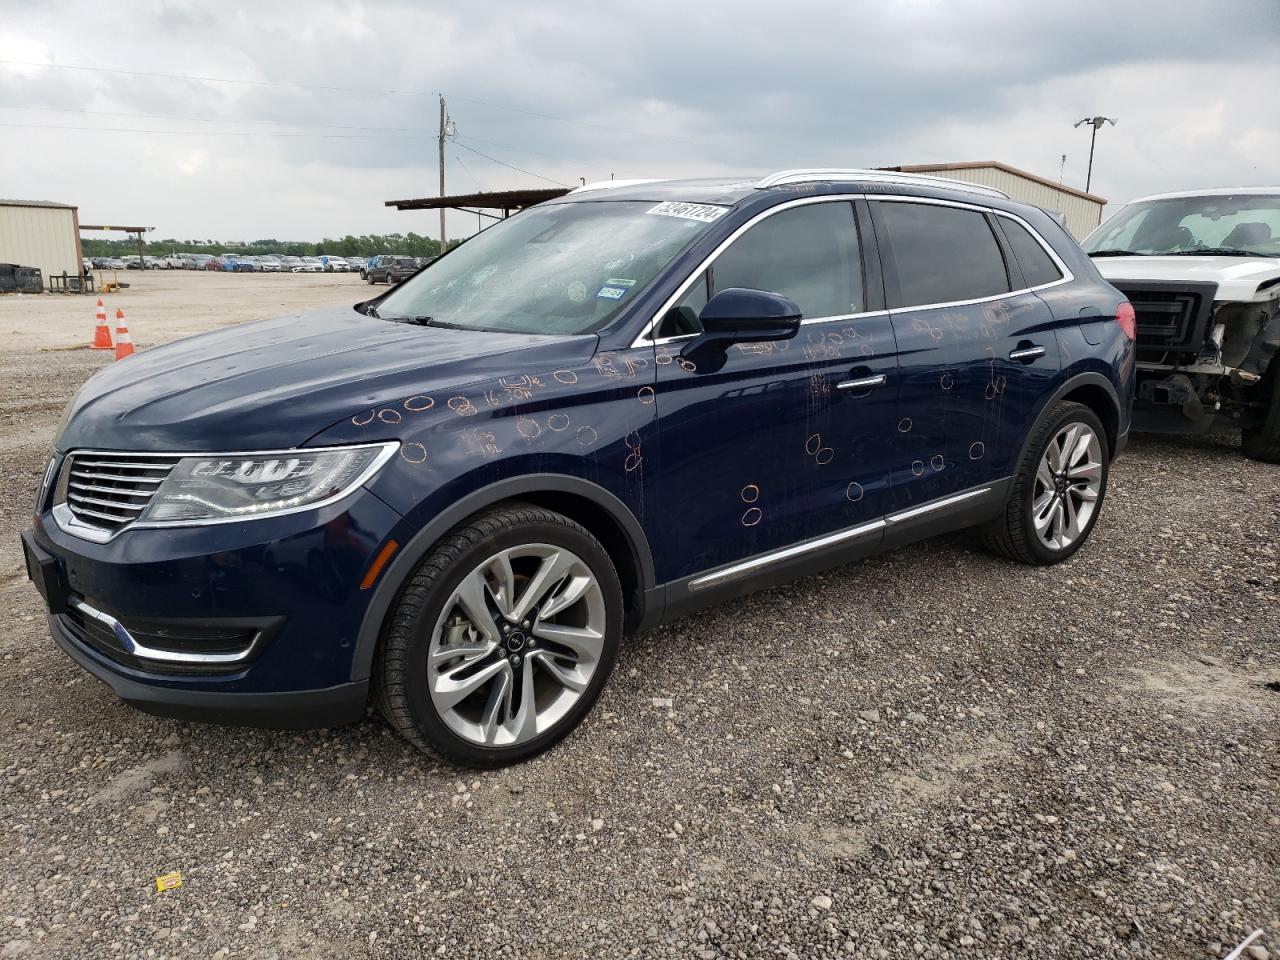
[[36, 233], [1083, 211]]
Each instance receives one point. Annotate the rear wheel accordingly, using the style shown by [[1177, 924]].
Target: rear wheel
[[1260, 434], [1057, 491], [502, 639]]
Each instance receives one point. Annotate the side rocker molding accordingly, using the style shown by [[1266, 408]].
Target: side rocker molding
[[512, 488]]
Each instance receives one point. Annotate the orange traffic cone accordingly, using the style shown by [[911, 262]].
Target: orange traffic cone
[[101, 332], [124, 343]]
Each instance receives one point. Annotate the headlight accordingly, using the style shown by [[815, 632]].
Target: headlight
[[246, 485]]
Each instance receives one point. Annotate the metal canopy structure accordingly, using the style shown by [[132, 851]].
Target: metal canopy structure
[[137, 236], [504, 200]]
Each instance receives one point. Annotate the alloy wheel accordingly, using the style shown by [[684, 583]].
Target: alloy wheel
[[1067, 487], [516, 645]]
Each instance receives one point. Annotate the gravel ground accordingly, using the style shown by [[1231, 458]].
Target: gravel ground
[[933, 753]]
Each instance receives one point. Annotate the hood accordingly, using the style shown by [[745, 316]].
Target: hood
[[277, 383], [1237, 277]]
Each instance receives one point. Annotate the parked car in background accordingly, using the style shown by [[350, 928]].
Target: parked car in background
[[270, 263], [288, 264], [356, 264], [463, 494], [309, 265], [172, 261], [1202, 270], [196, 261], [390, 269], [335, 264]]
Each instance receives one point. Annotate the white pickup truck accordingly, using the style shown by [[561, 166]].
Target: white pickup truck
[[1202, 270]]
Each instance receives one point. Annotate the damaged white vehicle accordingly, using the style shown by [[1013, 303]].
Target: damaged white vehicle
[[1202, 270]]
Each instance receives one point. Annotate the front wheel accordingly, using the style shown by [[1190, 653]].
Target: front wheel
[[502, 639], [1058, 489], [1260, 436]]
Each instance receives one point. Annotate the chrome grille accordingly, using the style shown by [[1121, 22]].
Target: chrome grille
[[110, 490]]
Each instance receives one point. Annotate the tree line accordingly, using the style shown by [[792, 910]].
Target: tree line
[[369, 245]]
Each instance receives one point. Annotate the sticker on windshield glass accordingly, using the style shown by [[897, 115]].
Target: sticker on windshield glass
[[611, 293], [706, 212], [619, 282], [576, 291]]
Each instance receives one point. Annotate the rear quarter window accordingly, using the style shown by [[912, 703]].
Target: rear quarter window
[[1034, 261]]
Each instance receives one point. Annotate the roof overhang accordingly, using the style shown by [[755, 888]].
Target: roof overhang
[[504, 200]]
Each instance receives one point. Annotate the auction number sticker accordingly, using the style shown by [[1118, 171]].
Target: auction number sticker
[[706, 212]]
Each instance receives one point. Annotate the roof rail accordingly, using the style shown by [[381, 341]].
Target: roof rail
[[613, 184], [877, 176]]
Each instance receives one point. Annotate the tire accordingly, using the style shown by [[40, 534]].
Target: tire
[[1081, 489], [1260, 433], [493, 723], [371, 280]]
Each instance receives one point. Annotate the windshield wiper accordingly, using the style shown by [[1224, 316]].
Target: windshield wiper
[[426, 322], [1116, 253], [1217, 252]]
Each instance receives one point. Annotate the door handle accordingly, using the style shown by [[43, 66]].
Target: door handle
[[863, 383], [1026, 354]]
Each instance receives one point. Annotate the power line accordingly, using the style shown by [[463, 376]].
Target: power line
[[174, 116], [509, 166], [362, 90], [211, 133], [240, 81]]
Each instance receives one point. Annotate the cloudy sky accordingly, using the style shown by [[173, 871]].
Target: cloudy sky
[[296, 119]]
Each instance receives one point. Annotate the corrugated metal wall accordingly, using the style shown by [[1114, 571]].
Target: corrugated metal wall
[[43, 237], [1082, 215]]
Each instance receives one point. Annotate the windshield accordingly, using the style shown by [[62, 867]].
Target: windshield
[[1232, 225], [557, 268]]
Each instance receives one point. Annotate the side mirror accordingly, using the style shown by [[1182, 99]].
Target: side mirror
[[739, 315]]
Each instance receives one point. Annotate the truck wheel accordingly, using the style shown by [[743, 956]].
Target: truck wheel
[[1260, 433], [502, 638], [1058, 488]]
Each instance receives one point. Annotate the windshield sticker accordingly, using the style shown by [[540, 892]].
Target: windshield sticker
[[615, 282], [611, 293], [705, 212], [576, 291]]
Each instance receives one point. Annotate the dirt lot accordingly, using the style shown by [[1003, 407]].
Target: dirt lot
[[932, 754]]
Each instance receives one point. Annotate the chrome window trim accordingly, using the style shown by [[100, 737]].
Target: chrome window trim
[[744, 567], [136, 649], [69, 523], [643, 338]]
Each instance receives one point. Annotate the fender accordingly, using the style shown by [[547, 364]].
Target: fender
[[511, 488], [1089, 378]]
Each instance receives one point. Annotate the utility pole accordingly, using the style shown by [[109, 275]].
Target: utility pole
[[1096, 123], [443, 123]]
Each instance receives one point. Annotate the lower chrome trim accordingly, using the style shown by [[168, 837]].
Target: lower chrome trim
[[799, 549], [136, 649], [934, 505], [746, 567]]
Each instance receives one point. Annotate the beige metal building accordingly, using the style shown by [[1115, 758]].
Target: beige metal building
[[36, 233], [1083, 211]]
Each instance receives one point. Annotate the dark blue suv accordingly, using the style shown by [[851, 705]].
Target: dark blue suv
[[454, 500]]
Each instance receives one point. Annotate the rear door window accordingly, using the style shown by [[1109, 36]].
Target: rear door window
[[942, 254]]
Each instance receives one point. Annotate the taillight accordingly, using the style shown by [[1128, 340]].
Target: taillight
[[1127, 320]]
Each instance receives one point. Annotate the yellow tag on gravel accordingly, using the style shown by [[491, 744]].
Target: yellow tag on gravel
[[168, 881]]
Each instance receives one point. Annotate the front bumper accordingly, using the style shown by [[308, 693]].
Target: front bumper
[[290, 584], [294, 709]]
